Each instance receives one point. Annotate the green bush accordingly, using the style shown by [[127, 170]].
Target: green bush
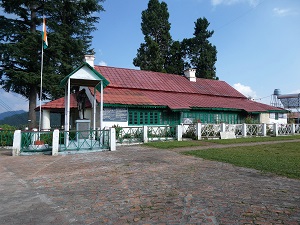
[[6, 135]]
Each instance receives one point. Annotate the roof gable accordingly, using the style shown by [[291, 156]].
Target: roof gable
[[85, 75]]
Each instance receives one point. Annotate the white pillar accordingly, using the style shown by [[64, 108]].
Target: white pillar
[[293, 129], [264, 129], [46, 120], [55, 142], [179, 132], [17, 143], [94, 109], [244, 130], [67, 112], [223, 127], [101, 106], [275, 128], [35, 136], [112, 140], [145, 134], [198, 130]]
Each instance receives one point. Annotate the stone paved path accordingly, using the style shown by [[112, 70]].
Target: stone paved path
[[136, 185]]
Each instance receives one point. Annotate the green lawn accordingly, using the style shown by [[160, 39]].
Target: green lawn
[[253, 139], [191, 143], [282, 159]]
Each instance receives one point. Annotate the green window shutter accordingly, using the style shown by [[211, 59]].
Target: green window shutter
[[130, 120], [143, 117]]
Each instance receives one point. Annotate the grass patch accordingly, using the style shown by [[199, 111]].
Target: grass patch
[[282, 159], [174, 144], [192, 143], [253, 139]]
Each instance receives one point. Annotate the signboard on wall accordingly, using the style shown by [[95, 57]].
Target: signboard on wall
[[115, 115]]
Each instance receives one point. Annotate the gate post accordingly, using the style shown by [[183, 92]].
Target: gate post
[[17, 143], [55, 142], [112, 139]]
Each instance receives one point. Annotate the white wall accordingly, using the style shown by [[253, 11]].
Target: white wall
[[264, 118], [282, 120]]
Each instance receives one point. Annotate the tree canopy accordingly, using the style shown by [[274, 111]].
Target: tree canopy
[[199, 52], [160, 53], [152, 55], [69, 26]]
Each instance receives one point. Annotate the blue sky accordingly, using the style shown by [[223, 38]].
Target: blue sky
[[258, 41]]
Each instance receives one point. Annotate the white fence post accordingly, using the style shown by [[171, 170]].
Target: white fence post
[[112, 140], [293, 129], [275, 127], [198, 131], [17, 143], [55, 142], [179, 132], [244, 130], [35, 136], [223, 127], [145, 134], [264, 129]]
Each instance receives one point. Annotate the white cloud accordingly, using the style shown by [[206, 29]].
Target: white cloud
[[102, 63], [232, 2], [284, 12], [245, 90]]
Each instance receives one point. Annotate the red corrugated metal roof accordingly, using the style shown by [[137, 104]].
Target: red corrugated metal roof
[[179, 100], [148, 80], [146, 88], [60, 103]]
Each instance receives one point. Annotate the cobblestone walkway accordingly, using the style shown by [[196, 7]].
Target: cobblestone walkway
[[136, 185]]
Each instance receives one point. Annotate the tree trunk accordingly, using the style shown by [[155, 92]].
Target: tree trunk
[[32, 106]]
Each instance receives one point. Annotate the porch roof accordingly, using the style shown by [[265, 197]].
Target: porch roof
[[85, 75]]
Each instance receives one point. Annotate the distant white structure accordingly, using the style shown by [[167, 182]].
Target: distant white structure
[[288, 101], [274, 99]]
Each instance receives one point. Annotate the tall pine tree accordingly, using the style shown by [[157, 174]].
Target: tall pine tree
[[199, 52], [153, 54], [69, 26]]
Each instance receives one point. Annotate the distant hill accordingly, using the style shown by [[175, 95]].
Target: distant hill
[[20, 120], [10, 113]]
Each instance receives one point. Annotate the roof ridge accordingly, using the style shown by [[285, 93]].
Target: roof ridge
[[181, 92], [148, 71]]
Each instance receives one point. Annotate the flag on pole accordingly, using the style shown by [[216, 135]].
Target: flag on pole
[[45, 41]]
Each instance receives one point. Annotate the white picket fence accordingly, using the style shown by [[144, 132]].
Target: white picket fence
[[200, 131], [197, 131]]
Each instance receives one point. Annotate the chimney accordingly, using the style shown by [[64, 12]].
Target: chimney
[[190, 74], [89, 59]]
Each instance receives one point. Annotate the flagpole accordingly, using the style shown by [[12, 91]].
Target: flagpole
[[41, 85]]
